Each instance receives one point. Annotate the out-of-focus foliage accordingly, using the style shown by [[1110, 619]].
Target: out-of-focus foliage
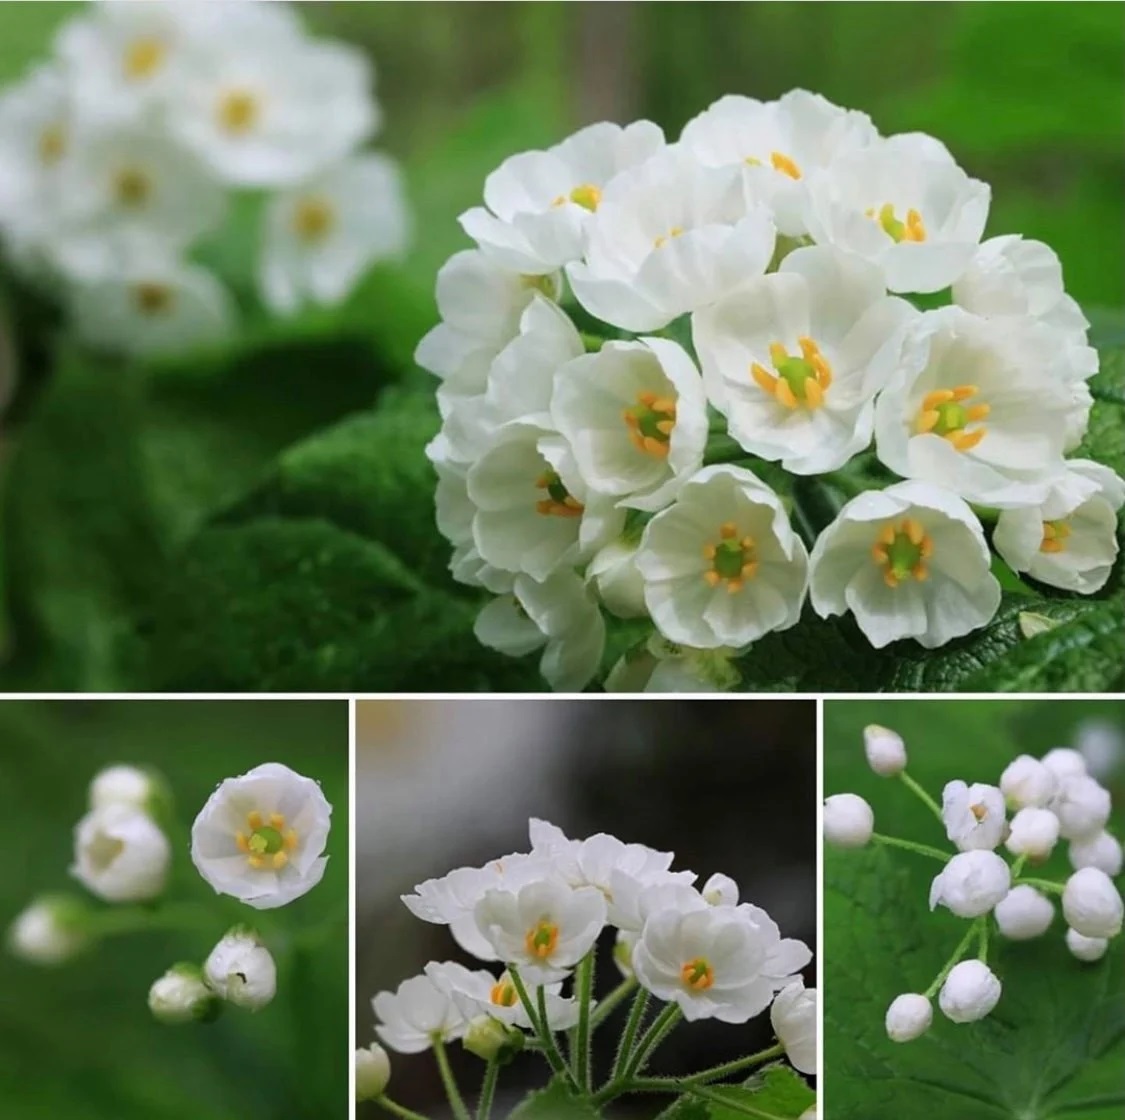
[[78, 1041]]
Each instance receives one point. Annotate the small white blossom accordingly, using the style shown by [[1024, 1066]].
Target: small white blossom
[[372, 1072], [412, 1016], [181, 996], [908, 1017], [1034, 833], [848, 820], [969, 993], [48, 932], [614, 573], [489, 1039], [1064, 762], [1082, 806], [123, 785], [1102, 851], [261, 836], [794, 1017], [241, 970], [974, 815], [1023, 913], [1026, 782], [971, 884], [1102, 744], [720, 890], [1091, 904], [482, 993], [1086, 948], [120, 854]]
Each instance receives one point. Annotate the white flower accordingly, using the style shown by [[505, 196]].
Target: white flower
[[969, 993], [1070, 539], [1102, 851], [1064, 762], [261, 836], [48, 932], [635, 416], [1082, 806], [1091, 904], [707, 961], [669, 236], [1027, 782], [481, 993], [720, 890], [372, 1072], [903, 203], [412, 1016], [778, 144], [180, 996], [123, 785], [321, 236], [152, 305], [909, 561], [619, 583], [885, 750], [1086, 948], [722, 565], [241, 970], [1034, 833], [557, 615], [974, 815], [120, 854], [539, 202], [1102, 744], [794, 359], [978, 406], [794, 1018], [545, 927], [908, 1017], [848, 820], [971, 884], [1024, 913]]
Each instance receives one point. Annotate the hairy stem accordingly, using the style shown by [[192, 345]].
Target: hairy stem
[[737, 1066], [911, 846], [456, 1102], [629, 1035], [958, 953]]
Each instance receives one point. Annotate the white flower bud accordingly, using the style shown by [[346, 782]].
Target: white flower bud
[[490, 1039], [974, 815], [909, 1016], [125, 785], [848, 820], [720, 890], [240, 969], [623, 952], [1024, 913], [1027, 782], [1064, 763], [969, 993], [794, 1018], [1091, 904], [1082, 807], [120, 854], [885, 750], [1086, 948], [1034, 833], [618, 579], [971, 884], [48, 931], [181, 996], [1102, 851], [372, 1072]]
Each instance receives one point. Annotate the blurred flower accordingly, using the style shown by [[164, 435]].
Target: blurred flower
[[120, 854], [795, 1022], [1102, 745], [181, 996], [417, 1013], [49, 931], [241, 969], [969, 993], [372, 1072]]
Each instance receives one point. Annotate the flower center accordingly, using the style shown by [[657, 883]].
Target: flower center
[[238, 111], [103, 850], [945, 414], [52, 144], [142, 58], [798, 381], [1054, 536], [733, 561], [151, 298], [132, 187], [559, 502], [650, 422], [313, 218], [913, 229], [979, 811], [586, 195], [542, 939], [664, 238], [698, 974], [547, 284], [901, 550], [779, 161], [503, 993], [269, 842]]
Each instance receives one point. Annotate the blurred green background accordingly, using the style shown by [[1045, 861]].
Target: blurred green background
[[78, 1041], [1055, 1045]]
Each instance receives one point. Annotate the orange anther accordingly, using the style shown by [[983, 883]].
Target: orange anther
[[966, 441], [938, 396], [764, 379], [927, 421], [785, 394]]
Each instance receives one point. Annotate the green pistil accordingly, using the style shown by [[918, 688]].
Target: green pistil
[[894, 228], [951, 418], [265, 841], [729, 559], [647, 421], [796, 371], [555, 488], [903, 556]]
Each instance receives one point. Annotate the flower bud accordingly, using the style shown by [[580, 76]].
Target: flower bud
[[848, 820], [127, 785], [1082, 807], [794, 1018], [969, 993], [1102, 851], [372, 1072], [885, 750], [1024, 913], [971, 884], [1027, 782], [909, 1016], [618, 579], [1064, 763], [623, 952], [240, 969], [1086, 948], [180, 996], [491, 1040], [974, 815], [720, 890], [1091, 904], [48, 931], [1034, 833], [120, 854]]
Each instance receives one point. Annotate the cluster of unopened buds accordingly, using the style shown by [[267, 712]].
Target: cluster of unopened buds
[[119, 157], [1050, 800], [538, 916], [651, 339], [259, 839]]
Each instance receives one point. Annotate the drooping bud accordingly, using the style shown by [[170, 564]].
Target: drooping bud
[[885, 750], [969, 993], [181, 996], [848, 820], [908, 1017], [491, 1040], [241, 969], [1091, 904], [372, 1072]]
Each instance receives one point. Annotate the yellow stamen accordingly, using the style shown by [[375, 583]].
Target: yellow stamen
[[966, 441], [785, 165], [238, 111], [132, 187], [785, 394], [663, 239], [290, 840], [901, 549], [559, 502], [314, 217], [1055, 534], [151, 298], [256, 862], [503, 994], [280, 859], [651, 422], [943, 413], [542, 940], [142, 58], [587, 196], [240, 840], [733, 560], [799, 381], [52, 144], [913, 229], [254, 820], [978, 811], [698, 974]]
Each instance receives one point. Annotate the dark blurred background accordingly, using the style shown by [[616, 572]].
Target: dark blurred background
[[78, 1041], [728, 786]]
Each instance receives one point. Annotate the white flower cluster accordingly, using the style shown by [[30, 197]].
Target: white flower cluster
[[643, 322], [539, 915], [1050, 799], [121, 154]]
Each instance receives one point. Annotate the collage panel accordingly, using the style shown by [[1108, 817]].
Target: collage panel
[[573, 909], [973, 964], [177, 910]]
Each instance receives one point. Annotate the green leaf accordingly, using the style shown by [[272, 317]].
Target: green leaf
[[556, 1102], [1105, 437]]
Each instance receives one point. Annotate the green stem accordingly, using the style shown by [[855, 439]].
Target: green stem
[[661, 1027], [580, 1055], [539, 1026], [982, 951], [488, 1090], [397, 1109], [108, 923], [629, 1035], [737, 1066], [734, 1106], [1041, 885], [611, 1002], [958, 953], [551, 1046], [456, 1102], [911, 846], [923, 796]]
